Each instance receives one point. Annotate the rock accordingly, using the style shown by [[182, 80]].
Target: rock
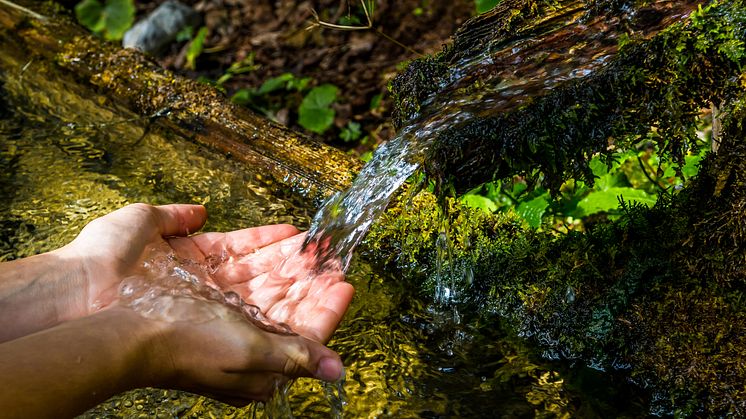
[[159, 28]]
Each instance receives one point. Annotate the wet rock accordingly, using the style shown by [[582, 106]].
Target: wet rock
[[157, 30]]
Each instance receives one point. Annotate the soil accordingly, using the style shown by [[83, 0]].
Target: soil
[[359, 62]]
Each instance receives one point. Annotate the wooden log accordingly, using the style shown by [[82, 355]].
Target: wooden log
[[62, 52]]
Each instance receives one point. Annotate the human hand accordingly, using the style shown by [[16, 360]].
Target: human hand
[[266, 268], [111, 248], [230, 359]]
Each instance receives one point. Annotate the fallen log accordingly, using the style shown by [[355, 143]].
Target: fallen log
[[41, 41]]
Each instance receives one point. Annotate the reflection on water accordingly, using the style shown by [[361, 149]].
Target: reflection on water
[[58, 172]]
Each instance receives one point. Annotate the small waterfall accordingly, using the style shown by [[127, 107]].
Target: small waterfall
[[344, 219]]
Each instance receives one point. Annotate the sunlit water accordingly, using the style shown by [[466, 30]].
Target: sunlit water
[[59, 171]]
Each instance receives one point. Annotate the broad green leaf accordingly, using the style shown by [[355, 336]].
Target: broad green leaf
[[479, 202], [118, 16], [314, 113], [89, 14], [111, 19], [532, 211], [691, 165], [608, 200], [485, 5]]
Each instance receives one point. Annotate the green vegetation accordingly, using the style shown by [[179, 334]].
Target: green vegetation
[[632, 177], [111, 18], [315, 112], [485, 5], [195, 48], [651, 287]]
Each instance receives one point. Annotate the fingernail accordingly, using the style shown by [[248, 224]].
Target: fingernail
[[329, 369]]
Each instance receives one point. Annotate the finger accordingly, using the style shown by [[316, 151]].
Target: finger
[[241, 388], [185, 248], [241, 242], [301, 357], [179, 219]]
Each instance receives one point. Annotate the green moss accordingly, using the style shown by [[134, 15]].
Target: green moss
[[657, 295], [652, 89]]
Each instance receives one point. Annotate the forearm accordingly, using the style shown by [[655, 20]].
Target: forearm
[[62, 371], [37, 292]]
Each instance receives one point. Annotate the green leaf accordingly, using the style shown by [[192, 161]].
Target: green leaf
[[89, 14], [375, 101], [195, 48], [691, 165], [185, 34], [532, 211], [479, 202], [111, 19], [608, 200], [485, 5], [314, 113], [351, 132], [118, 16], [275, 83], [242, 97]]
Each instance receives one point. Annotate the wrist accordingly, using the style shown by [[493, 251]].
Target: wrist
[[37, 293], [149, 345]]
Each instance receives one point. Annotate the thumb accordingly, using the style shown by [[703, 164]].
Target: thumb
[[306, 358]]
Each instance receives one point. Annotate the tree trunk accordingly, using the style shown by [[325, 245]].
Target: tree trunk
[[44, 46]]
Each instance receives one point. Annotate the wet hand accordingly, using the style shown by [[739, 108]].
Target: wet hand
[[230, 359], [109, 248], [264, 266]]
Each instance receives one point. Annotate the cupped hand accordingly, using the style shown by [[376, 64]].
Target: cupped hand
[[263, 264], [231, 359]]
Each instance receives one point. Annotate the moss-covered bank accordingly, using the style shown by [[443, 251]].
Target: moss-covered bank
[[657, 295], [654, 83]]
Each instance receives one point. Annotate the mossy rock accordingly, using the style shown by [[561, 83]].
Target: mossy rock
[[647, 77], [657, 295]]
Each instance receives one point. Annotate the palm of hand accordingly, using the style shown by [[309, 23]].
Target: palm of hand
[[265, 268], [312, 305]]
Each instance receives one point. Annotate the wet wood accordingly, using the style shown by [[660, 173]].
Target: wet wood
[[45, 37]]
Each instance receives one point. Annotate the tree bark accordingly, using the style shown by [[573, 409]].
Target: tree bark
[[44, 45]]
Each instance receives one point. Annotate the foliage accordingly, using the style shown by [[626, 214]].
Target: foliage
[[239, 67], [628, 177], [110, 19], [277, 93], [351, 132], [485, 5], [195, 48], [315, 112]]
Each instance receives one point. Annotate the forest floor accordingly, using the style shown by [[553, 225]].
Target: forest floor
[[266, 39]]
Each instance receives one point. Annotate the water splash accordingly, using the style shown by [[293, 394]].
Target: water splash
[[171, 288], [340, 224]]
